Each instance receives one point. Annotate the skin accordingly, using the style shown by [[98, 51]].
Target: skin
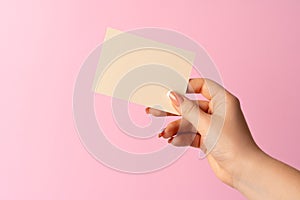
[[235, 158]]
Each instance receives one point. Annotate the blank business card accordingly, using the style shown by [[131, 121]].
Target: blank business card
[[141, 71]]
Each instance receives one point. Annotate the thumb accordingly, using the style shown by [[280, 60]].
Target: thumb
[[190, 111]]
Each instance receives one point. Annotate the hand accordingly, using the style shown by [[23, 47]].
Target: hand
[[235, 141], [219, 128]]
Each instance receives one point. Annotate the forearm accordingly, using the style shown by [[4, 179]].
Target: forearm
[[262, 177]]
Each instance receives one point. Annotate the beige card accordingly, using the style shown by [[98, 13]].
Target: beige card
[[141, 70]]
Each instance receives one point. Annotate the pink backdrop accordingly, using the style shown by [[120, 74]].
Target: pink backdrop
[[43, 44]]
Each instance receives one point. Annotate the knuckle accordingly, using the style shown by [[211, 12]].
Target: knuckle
[[233, 100]]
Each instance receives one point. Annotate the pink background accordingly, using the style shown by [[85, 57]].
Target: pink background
[[43, 44]]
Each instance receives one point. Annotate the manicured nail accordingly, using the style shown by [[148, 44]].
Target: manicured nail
[[161, 133], [170, 140], [175, 98]]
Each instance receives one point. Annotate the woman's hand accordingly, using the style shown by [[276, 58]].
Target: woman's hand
[[218, 127], [235, 141]]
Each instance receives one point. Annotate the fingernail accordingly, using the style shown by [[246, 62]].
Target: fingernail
[[175, 98], [170, 140], [147, 110], [161, 132]]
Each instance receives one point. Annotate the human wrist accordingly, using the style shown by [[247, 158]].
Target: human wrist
[[248, 168], [263, 177]]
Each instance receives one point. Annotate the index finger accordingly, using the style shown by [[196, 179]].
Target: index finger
[[206, 87]]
